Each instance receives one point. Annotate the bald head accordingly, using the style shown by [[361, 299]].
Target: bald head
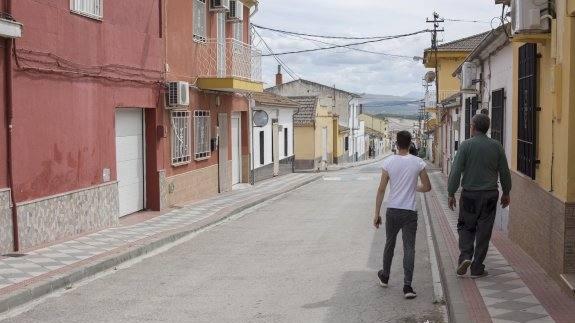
[[481, 123]]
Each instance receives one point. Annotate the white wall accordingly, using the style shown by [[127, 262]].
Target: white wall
[[285, 119], [498, 70]]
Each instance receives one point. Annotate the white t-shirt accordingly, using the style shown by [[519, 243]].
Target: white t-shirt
[[403, 174]]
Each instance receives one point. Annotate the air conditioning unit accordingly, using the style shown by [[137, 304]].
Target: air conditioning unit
[[220, 5], [530, 16], [178, 95], [468, 77], [236, 12]]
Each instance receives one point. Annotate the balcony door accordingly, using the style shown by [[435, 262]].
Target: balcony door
[[221, 43]]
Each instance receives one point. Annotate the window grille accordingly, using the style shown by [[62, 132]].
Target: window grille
[[497, 114], [526, 134], [181, 152], [200, 21], [286, 141], [202, 127], [90, 8], [471, 105], [262, 147]]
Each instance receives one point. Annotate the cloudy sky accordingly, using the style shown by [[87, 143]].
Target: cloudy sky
[[359, 71]]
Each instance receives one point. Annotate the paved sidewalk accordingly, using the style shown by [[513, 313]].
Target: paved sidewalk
[[45, 270], [516, 290]]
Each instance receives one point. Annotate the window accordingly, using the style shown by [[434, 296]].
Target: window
[[238, 28], [262, 150], [90, 8], [202, 126], [497, 114], [526, 135], [471, 105], [286, 150], [200, 21], [181, 151], [346, 144]]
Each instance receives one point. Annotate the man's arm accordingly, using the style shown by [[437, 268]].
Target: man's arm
[[504, 178], [379, 198], [425, 185], [455, 175]]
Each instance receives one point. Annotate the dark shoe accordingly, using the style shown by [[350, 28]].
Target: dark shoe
[[463, 266], [482, 274], [408, 292], [382, 279]]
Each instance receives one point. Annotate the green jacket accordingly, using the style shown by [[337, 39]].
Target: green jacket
[[482, 161]]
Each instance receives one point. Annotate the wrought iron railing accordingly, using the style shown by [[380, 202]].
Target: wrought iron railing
[[229, 59]]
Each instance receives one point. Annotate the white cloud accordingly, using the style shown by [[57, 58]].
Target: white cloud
[[358, 71]]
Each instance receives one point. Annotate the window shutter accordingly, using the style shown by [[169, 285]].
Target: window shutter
[[527, 118], [497, 114]]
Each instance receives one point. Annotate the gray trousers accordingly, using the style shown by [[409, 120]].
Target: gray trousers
[[406, 221], [477, 211]]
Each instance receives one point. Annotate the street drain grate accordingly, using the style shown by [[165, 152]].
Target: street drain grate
[[14, 255]]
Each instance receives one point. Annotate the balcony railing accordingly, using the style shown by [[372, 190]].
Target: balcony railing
[[230, 59]]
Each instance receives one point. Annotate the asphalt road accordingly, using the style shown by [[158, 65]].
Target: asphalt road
[[308, 256]]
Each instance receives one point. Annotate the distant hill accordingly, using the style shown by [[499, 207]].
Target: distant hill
[[391, 104]]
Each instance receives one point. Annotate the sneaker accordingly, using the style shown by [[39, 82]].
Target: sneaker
[[482, 274], [463, 266], [382, 279], [408, 292]]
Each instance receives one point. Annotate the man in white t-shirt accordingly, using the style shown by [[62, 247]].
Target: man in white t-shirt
[[401, 171]]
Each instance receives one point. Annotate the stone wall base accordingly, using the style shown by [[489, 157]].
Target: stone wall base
[[195, 185], [543, 226], [5, 222], [47, 220], [267, 171]]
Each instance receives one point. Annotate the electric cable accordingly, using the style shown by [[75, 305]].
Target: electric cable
[[348, 45], [290, 72], [323, 36]]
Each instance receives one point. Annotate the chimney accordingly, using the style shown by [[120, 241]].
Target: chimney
[[279, 76]]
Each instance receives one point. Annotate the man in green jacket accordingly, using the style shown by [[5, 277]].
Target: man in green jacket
[[481, 160]]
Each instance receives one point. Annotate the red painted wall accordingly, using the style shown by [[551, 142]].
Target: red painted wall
[[64, 131], [3, 134], [182, 60]]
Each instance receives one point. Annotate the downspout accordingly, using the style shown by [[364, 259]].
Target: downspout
[[9, 43]]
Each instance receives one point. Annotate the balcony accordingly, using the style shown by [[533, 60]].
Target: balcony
[[431, 98], [229, 66]]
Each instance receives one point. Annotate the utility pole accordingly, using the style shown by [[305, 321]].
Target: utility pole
[[436, 21]]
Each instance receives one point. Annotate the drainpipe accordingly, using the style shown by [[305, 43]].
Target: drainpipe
[[9, 127]]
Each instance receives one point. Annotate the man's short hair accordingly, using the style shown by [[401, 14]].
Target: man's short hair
[[403, 139], [481, 122]]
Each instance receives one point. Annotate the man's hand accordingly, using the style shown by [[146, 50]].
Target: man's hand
[[452, 203], [377, 221], [505, 200]]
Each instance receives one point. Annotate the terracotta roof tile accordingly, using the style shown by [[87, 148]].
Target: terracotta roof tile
[[307, 111], [271, 99]]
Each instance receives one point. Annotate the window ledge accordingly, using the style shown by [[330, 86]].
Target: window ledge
[[87, 15], [202, 159], [181, 164]]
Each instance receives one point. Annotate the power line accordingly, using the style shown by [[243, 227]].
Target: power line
[[348, 45], [321, 36], [470, 21], [356, 49], [279, 60]]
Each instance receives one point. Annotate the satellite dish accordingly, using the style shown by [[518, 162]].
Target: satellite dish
[[429, 77], [261, 118]]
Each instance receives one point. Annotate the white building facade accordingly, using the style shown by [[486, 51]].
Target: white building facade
[[273, 142]]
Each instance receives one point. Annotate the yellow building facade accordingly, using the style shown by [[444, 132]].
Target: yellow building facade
[[542, 214]]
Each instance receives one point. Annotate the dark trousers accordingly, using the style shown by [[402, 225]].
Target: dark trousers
[[477, 211], [406, 221]]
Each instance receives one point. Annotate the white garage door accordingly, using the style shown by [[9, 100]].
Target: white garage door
[[130, 159]]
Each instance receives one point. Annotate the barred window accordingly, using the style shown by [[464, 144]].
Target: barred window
[[90, 8], [181, 150], [200, 21], [202, 126]]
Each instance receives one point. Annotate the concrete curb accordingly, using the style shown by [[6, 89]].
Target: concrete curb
[[454, 302], [358, 164], [138, 249]]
